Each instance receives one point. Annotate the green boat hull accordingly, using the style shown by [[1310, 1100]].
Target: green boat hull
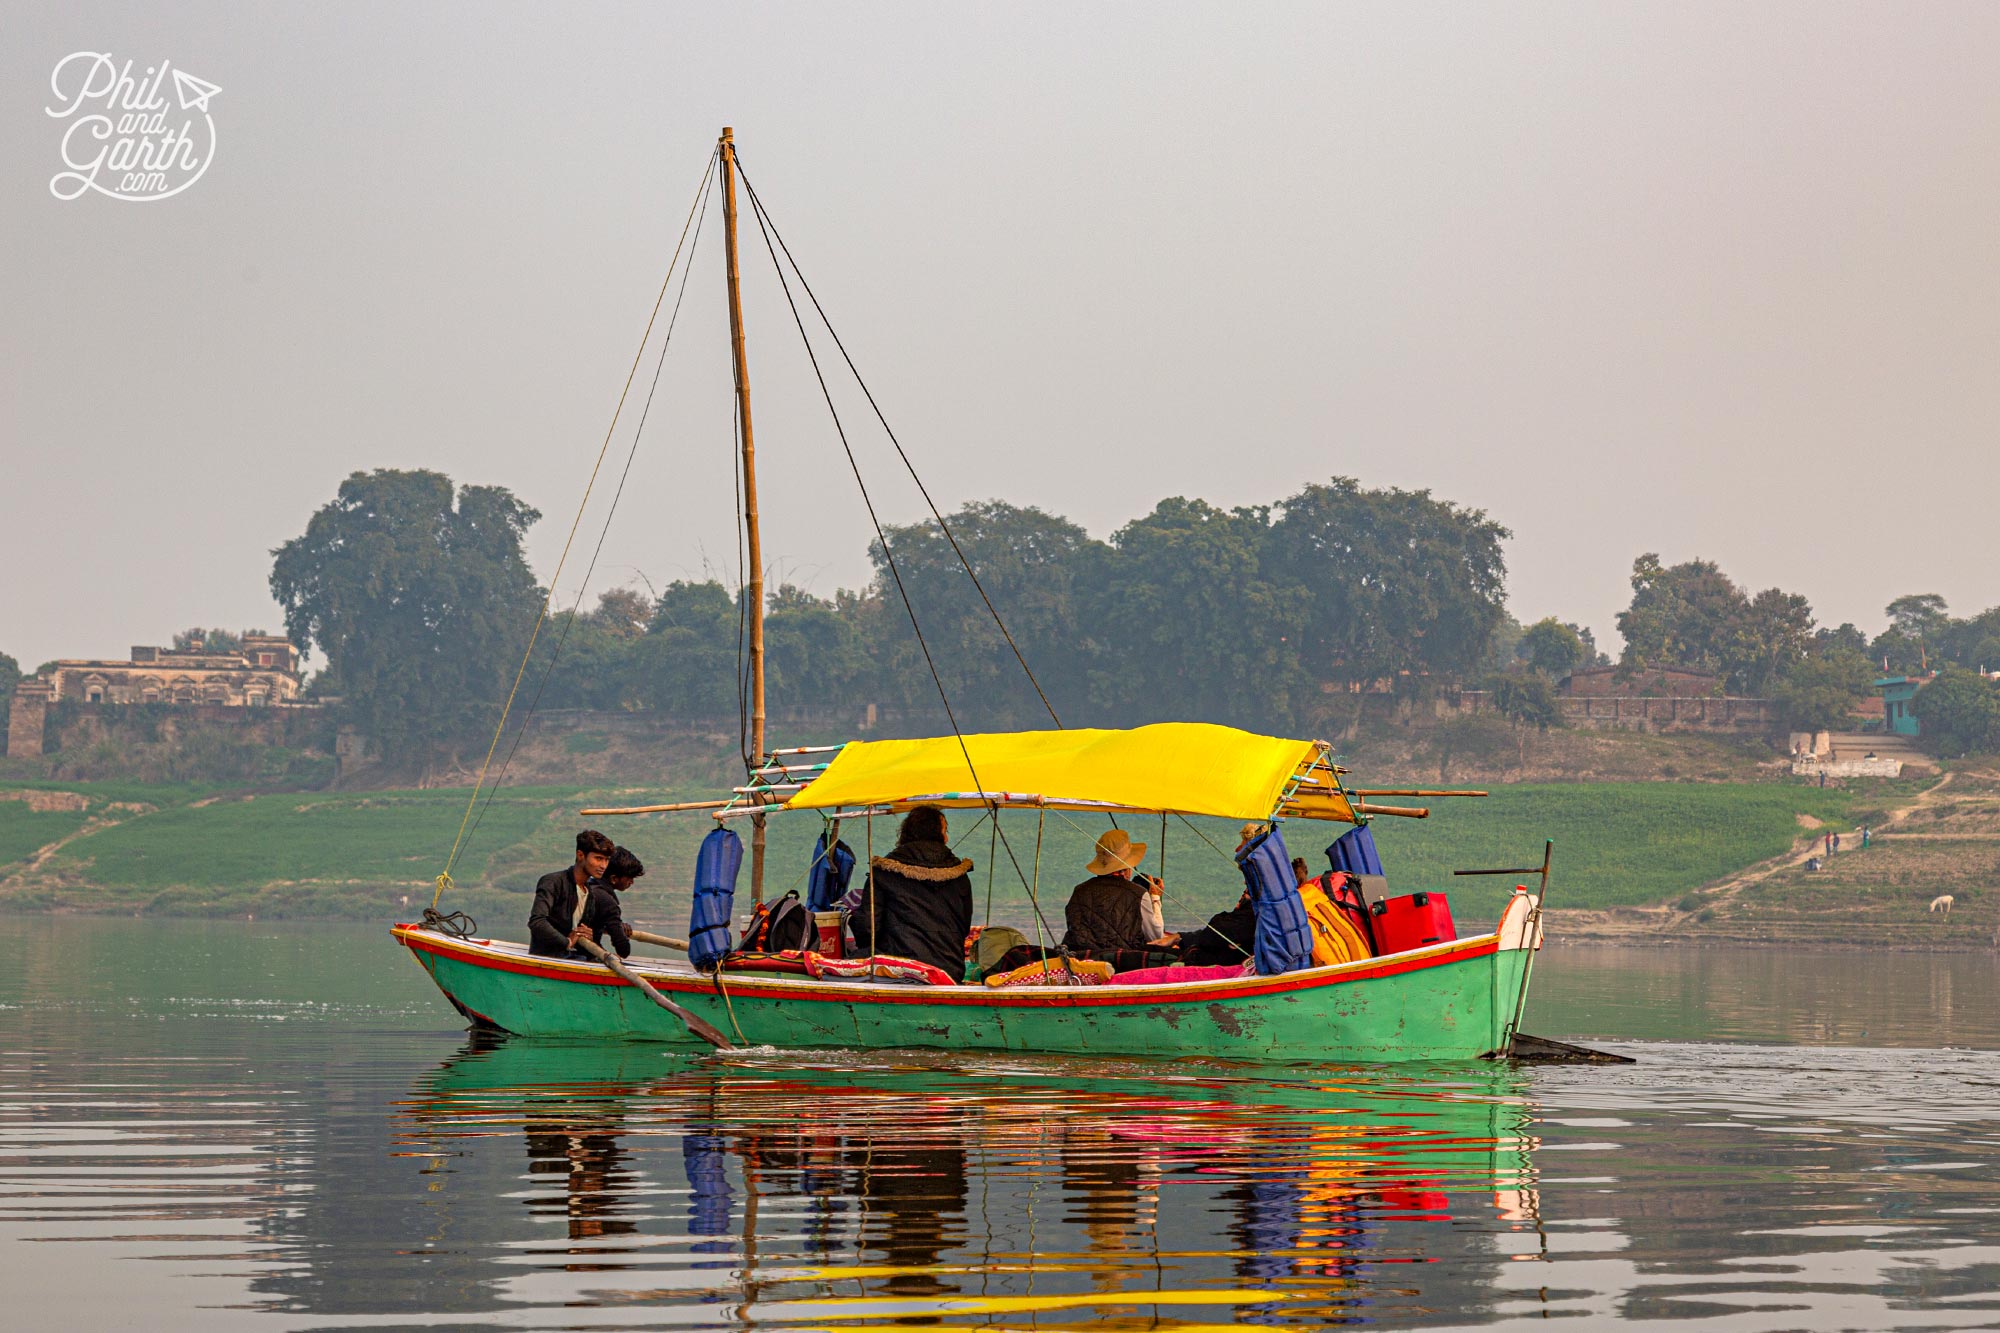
[[1452, 1001]]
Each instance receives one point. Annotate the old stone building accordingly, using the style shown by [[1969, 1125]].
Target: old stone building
[[1607, 682], [262, 671]]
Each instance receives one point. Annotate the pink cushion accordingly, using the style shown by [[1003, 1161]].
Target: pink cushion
[[1163, 976]]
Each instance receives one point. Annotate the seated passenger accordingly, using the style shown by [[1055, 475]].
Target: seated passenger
[[917, 900], [604, 913], [1229, 937], [557, 920], [1107, 913]]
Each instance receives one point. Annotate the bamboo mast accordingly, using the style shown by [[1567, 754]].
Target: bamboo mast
[[755, 553]]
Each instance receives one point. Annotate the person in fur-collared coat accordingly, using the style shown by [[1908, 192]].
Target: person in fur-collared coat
[[918, 897]]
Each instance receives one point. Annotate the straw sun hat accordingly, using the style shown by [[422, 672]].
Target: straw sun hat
[[1116, 851]]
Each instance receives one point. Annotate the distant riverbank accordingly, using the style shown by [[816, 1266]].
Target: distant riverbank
[[1635, 862]]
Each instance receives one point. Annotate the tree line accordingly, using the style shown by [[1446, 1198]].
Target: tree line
[[1693, 616], [416, 594]]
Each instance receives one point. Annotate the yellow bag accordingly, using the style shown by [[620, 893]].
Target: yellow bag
[[1335, 940], [1055, 972]]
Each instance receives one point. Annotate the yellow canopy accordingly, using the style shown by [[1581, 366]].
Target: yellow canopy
[[1190, 768]]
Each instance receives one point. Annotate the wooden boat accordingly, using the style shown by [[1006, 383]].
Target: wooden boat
[[1449, 1001], [1458, 999]]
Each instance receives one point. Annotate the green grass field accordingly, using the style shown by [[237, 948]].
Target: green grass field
[[1616, 844], [186, 851], [24, 831]]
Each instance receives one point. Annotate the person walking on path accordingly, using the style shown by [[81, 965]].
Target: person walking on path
[[1864, 837], [1836, 842]]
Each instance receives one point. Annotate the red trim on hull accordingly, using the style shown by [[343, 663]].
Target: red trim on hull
[[847, 992]]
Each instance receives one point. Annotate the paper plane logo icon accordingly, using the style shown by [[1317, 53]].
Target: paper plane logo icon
[[194, 93]]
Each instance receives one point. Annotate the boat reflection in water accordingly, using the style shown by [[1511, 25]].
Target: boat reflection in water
[[922, 1186]]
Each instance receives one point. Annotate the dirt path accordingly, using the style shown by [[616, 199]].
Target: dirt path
[[1629, 924], [1729, 889], [45, 853]]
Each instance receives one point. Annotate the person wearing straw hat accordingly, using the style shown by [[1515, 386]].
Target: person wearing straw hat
[[1107, 914]]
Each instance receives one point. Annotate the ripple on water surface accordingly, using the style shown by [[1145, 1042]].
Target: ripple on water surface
[[178, 1161]]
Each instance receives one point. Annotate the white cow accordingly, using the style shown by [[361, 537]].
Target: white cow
[[1942, 903]]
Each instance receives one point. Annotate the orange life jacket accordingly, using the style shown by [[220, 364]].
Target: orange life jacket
[[1335, 939]]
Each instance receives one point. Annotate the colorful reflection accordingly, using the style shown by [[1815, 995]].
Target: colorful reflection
[[859, 1188]]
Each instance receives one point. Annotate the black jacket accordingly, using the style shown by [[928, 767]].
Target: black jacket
[[1103, 915], [555, 906], [1229, 937], [921, 899]]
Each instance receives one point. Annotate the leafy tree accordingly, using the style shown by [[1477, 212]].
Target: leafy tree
[[1897, 653], [1028, 560], [10, 676], [1680, 615], [206, 641], [1526, 700], [813, 649], [1959, 712], [686, 664], [1919, 615], [1392, 585], [1821, 692], [1553, 648], [622, 612], [419, 598], [590, 667], [1916, 623], [1771, 635], [1503, 648], [1846, 637], [1591, 656], [1185, 623], [1973, 643], [1692, 616]]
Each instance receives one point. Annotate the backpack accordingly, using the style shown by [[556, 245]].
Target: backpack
[[778, 925]]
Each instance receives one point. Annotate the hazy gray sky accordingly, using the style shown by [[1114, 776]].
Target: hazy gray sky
[[1712, 280]]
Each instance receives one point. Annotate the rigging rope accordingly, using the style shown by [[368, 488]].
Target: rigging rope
[[466, 823], [888, 556], [569, 623], [1178, 904], [944, 527]]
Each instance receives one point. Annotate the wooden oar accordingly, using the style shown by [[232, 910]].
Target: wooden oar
[[664, 941], [700, 1027]]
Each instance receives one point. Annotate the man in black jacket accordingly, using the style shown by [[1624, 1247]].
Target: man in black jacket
[[562, 912]]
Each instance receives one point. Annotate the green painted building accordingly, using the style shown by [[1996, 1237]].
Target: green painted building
[[1897, 692]]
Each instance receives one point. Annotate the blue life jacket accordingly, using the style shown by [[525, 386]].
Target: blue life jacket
[[827, 880], [1284, 937], [715, 867], [1354, 852], [705, 1158]]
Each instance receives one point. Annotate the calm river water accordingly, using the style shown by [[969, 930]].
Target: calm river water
[[222, 1125]]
